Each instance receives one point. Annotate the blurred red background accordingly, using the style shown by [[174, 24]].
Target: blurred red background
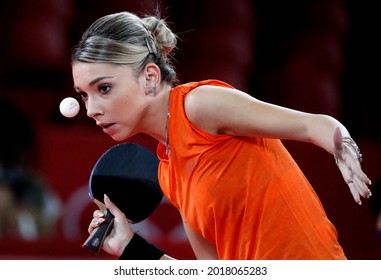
[[319, 56]]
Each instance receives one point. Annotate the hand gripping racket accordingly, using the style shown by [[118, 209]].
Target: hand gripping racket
[[127, 174]]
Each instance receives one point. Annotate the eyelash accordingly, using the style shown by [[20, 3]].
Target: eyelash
[[103, 89], [83, 95]]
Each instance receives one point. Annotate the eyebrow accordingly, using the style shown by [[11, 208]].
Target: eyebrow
[[96, 80]]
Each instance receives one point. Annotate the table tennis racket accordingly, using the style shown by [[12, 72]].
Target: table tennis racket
[[127, 174]]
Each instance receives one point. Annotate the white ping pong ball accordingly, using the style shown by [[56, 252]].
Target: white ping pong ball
[[69, 107]]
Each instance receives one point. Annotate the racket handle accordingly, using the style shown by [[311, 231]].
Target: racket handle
[[94, 242]]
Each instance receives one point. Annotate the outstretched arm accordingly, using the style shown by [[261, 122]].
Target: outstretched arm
[[220, 110]]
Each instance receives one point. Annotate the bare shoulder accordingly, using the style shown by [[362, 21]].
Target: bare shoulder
[[205, 106], [199, 104], [214, 95]]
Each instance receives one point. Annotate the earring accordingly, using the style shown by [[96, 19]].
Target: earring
[[151, 90]]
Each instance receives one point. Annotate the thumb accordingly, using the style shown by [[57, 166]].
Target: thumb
[[111, 206]]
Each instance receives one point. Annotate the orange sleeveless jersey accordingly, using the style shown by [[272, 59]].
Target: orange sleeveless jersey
[[245, 195]]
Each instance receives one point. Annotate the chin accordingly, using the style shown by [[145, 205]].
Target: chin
[[119, 137]]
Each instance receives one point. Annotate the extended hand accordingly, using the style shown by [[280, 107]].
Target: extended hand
[[348, 159]]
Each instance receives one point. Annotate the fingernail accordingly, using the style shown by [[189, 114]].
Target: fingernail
[[369, 193], [105, 196]]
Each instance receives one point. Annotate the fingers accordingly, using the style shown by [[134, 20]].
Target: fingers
[[355, 193], [358, 186], [112, 207], [348, 159], [122, 232], [355, 178], [98, 219], [361, 180], [360, 189], [363, 177]]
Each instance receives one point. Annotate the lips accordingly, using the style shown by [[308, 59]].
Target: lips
[[105, 126]]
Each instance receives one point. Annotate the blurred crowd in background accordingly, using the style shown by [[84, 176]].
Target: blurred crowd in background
[[319, 56]]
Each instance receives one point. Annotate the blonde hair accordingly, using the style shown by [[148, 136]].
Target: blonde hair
[[125, 38]]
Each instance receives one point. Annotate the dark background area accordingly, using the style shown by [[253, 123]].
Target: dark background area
[[319, 56]]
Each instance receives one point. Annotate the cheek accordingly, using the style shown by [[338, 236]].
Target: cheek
[[122, 108], [129, 106], [122, 112]]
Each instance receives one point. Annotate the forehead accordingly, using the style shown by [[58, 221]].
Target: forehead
[[84, 72], [86, 68]]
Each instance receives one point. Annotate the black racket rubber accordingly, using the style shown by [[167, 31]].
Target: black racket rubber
[[127, 174]]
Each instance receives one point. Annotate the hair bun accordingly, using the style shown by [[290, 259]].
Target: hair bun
[[164, 38]]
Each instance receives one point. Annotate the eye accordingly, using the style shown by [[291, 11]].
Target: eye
[[83, 95], [104, 88]]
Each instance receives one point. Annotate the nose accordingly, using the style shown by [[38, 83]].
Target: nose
[[93, 107]]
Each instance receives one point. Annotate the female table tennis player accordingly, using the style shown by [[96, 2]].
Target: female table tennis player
[[222, 162]]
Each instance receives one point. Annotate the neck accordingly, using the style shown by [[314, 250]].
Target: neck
[[159, 114]]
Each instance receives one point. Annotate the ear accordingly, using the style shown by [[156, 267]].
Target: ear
[[152, 75]]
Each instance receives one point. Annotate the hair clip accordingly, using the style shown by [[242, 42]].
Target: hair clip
[[150, 45], [150, 41]]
